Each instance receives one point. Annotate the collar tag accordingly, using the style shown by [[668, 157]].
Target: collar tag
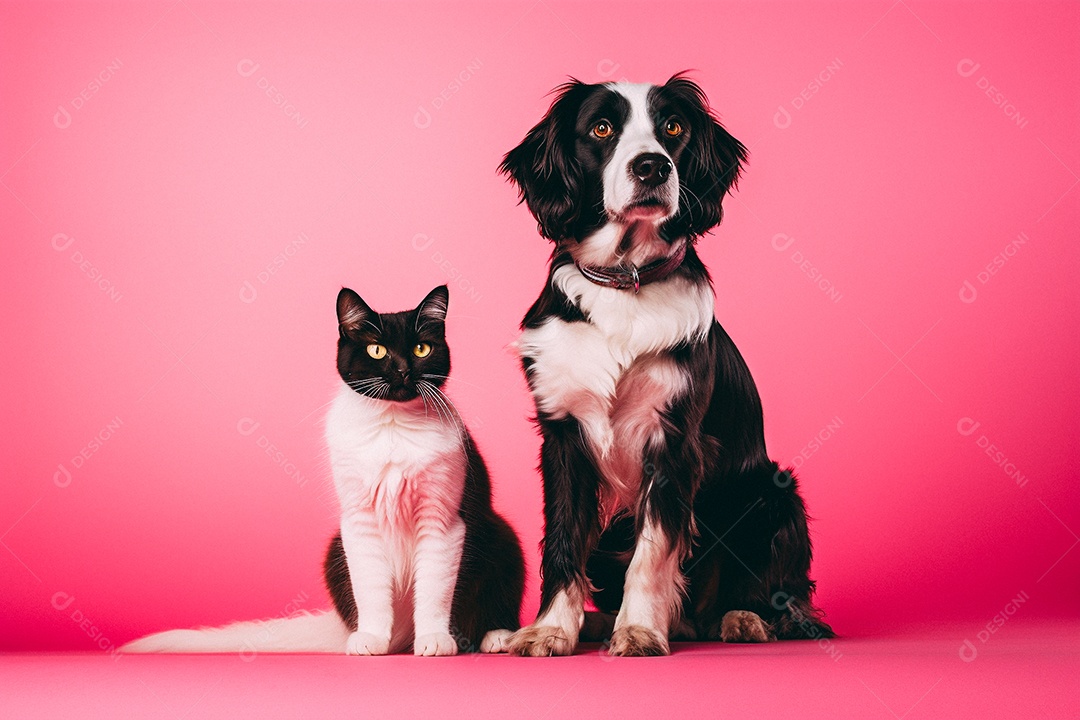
[[627, 276]]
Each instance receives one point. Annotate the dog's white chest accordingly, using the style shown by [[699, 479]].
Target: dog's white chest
[[614, 373]]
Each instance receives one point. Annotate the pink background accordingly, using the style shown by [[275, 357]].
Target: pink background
[[139, 145]]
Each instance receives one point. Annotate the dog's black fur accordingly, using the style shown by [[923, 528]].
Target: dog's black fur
[[736, 519]]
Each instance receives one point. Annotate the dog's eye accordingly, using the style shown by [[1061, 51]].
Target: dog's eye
[[673, 128], [422, 350], [376, 351], [602, 129]]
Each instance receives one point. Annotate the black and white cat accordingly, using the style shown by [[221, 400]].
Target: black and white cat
[[415, 495], [422, 558]]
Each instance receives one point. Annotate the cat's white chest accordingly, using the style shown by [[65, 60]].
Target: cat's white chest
[[393, 459]]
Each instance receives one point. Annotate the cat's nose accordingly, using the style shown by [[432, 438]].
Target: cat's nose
[[401, 374]]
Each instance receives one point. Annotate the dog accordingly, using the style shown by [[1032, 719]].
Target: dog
[[660, 502]]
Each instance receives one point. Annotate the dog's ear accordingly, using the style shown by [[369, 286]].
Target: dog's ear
[[544, 167], [709, 166]]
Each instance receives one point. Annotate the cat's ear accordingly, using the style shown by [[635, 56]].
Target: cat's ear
[[352, 312], [434, 306]]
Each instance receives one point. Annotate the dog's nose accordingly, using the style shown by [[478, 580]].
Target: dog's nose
[[651, 168]]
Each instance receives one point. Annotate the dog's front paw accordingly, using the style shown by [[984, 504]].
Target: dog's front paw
[[362, 643], [496, 641], [743, 626], [542, 641], [436, 643], [638, 641]]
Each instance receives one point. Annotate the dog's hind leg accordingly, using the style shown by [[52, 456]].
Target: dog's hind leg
[[752, 583]]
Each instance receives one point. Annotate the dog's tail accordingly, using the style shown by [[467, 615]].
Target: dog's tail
[[319, 632]]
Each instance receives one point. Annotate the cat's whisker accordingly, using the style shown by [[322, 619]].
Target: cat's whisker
[[428, 390], [362, 388], [439, 400], [381, 390], [453, 416], [372, 388], [424, 395], [446, 399], [447, 377]]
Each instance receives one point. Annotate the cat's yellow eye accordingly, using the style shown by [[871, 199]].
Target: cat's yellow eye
[[602, 129], [673, 128], [376, 351], [422, 350]]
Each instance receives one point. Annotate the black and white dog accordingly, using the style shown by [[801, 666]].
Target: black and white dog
[[659, 497]]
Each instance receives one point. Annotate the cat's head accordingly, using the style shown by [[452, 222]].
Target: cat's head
[[389, 356]]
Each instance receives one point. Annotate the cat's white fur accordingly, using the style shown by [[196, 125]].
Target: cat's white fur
[[399, 472], [318, 632]]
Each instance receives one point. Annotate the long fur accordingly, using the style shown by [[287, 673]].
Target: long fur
[[319, 632], [659, 497]]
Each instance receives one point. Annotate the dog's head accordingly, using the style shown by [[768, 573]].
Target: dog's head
[[625, 168]]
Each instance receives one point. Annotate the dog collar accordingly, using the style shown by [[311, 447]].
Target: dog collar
[[629, 276]]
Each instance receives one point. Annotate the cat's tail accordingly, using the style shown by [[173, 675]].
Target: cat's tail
[[318, 632]]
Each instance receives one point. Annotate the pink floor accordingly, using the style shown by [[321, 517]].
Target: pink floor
[[1020, 671]]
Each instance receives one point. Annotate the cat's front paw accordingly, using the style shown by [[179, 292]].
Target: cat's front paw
[[542, 641], [496, 641], [436, 643], [362, 643]]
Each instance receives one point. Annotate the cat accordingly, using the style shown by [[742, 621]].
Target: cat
[[422, 558]]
